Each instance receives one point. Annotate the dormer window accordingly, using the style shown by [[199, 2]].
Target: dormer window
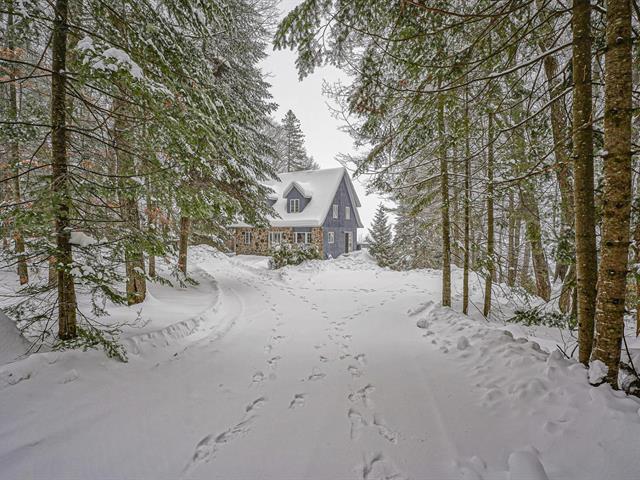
[[294, 205], [335, 211]]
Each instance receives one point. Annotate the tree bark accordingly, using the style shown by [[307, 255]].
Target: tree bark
[[14, 153], [586, 268], [136, 287], [467, 208], [185, 227], [444, 193], [616, 198], [67, 327], [513, 241], [490, 233], [534, 235]]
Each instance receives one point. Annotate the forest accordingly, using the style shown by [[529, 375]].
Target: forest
[[504, 131]]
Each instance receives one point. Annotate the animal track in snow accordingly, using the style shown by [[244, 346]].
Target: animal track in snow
[[363, 395], [257, 377], [273, 361], [355, 371], [298, 400], [378, 468], [209, 445], [323, 359], [357, 423], [383, 430], [257, 403], [361, 358], [316, 376]]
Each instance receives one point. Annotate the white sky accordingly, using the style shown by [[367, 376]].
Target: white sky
[[323, 139]]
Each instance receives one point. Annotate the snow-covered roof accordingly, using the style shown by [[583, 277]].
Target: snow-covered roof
[[320, 186]]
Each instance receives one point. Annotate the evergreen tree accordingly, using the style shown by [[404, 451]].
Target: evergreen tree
[[294, 154], [381, 238]]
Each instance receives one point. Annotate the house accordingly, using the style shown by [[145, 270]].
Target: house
[[312, 207]]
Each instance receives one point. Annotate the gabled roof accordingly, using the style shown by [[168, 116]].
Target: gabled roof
[[320, 186]]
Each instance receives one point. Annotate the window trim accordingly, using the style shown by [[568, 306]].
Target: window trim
[[336, 210], [347, 213], [307, 236], [331, 237], [247, 237], [271, 235], [292, 202]]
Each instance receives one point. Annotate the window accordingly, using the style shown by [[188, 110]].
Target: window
[[347, 213], [275, 238], [303, 237], [335, 211], [247, 238], [294, 205], [331, 237]]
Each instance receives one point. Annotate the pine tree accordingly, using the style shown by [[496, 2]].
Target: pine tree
[[381, 238], [294, 153]]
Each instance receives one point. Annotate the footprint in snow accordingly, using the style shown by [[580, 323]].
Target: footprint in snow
[[361, 358], [273, 361], [383, 430], [377, 467], [357, 423], [316, 376], [298, 400], [355, 371], [257, 377], [363, 395], [257, 403]]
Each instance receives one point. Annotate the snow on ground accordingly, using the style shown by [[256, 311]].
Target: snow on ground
[[329, 370]]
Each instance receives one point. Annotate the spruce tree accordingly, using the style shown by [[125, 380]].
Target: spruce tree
[[381, 238], [294, 153]]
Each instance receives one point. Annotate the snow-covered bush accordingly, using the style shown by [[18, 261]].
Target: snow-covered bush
[[288, 254]]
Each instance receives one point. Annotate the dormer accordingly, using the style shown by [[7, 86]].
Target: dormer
[[272, 198], [297, 196]]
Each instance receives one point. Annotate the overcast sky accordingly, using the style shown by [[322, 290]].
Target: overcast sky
[[324, 140]]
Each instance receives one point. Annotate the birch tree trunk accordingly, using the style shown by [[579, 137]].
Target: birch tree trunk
[[67, 328], [490, 232], [616, 199], [444, 193], [585, 229]]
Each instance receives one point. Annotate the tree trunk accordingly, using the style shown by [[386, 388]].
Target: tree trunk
[[636, 260], [616, 198], [513, 241], [67, 328], [565, 302], [444, 193], [534, 235], [467, 207], [585, 231], [490, 232], [14, 153], [136, 287], [185, 227], [525, 281]]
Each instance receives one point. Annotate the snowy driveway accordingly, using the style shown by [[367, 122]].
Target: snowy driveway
[[316, 372]]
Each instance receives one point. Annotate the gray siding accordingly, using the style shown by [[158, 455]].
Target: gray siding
[[340, 225], [294, 193]]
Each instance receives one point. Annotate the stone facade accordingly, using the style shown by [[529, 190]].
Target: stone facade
[[260, 239]]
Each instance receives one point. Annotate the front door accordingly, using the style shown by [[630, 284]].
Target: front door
[[348, 245]]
